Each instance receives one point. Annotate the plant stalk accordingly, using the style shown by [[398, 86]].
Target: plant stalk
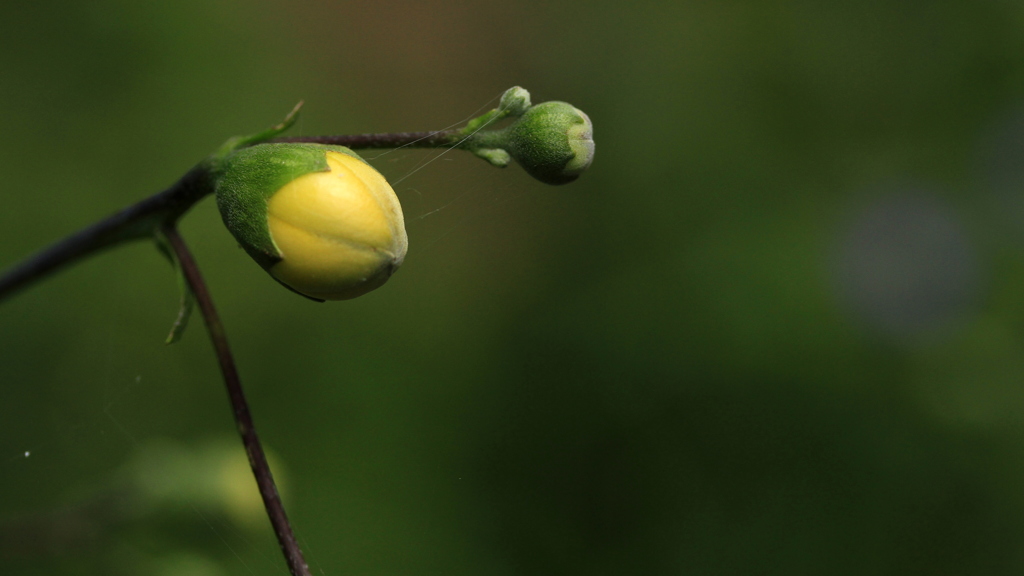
[[132, 223], [440, 139], [243, 418]]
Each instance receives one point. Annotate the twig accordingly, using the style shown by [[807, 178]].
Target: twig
[[132, 223], [246, 428], [439, 139]]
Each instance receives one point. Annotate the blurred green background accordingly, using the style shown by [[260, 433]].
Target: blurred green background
[[778, 327]]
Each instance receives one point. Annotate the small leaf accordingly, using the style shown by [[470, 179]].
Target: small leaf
[[238, 142], [496, 156], [187, 300]]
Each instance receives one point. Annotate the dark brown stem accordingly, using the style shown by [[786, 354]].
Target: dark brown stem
[[243, 419], [132, 223], [439, 139]]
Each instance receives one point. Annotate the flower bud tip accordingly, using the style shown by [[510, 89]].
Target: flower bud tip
[[515, 101]]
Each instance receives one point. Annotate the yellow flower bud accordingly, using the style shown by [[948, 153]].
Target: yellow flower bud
[[340, 233], [318, 218]]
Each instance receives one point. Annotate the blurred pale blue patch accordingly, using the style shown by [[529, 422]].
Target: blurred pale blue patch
[[906, 267], [1000, 167]]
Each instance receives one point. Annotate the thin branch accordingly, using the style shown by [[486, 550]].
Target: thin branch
[[439, 139], [132, 223], [243, 419]]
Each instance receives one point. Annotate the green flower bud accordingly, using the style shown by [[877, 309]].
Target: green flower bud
[[552, 141], [515, 101], [318, 218]]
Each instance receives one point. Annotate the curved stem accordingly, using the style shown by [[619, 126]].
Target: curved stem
[[132, 223], [243, 418]]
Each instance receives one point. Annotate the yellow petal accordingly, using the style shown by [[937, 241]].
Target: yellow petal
[[340, 233]]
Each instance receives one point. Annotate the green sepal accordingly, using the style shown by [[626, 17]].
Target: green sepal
[[247, 178], [496, 156], [274, 131], [188, 298]]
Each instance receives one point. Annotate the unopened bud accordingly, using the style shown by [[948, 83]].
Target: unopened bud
[[318, 218], [553, 142]]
